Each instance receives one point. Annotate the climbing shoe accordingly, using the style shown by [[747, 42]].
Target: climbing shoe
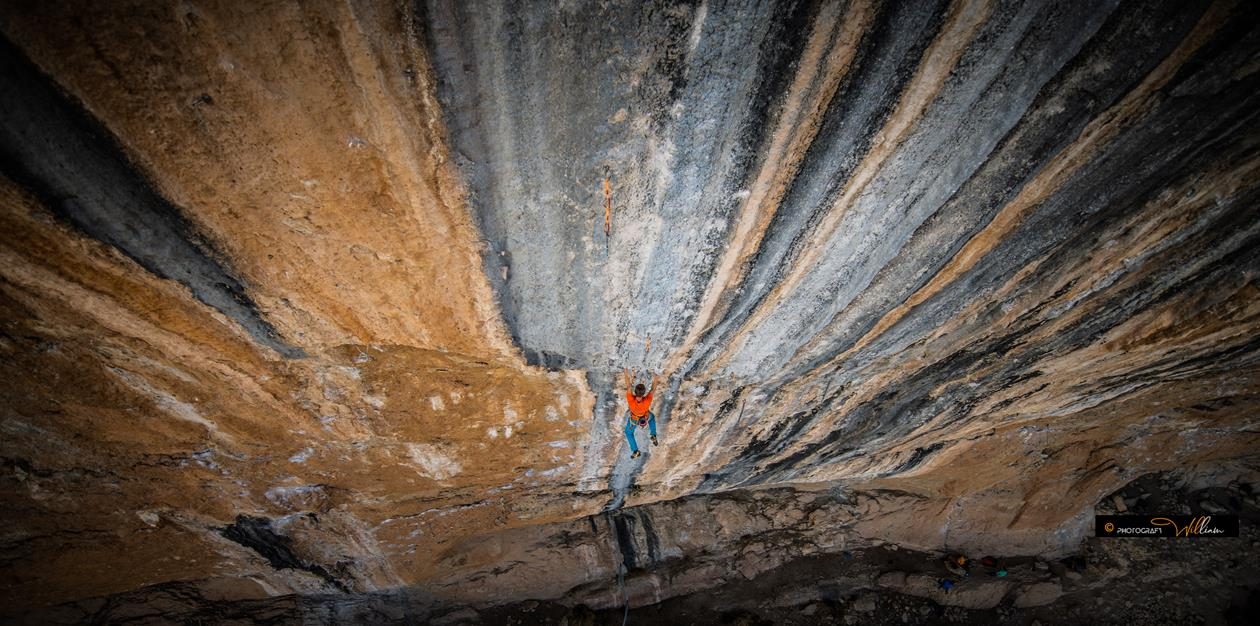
[[654, 441], [635, 455]]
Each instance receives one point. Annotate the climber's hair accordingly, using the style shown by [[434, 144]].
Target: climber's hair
[[640, 390]]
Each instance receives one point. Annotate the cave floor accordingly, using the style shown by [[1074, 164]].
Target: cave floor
[[1211, 581]]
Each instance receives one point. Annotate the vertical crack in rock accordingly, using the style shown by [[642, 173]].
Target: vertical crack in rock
[[649, 534], [623, 534], [59, 152]]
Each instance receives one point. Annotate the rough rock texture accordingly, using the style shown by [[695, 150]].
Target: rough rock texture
[[138, 422], [316, 297], [1197, 581], [928, 234]]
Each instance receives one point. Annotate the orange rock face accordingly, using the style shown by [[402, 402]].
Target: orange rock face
[[167, 422]]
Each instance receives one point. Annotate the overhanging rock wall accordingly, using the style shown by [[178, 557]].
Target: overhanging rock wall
[[336, 276]]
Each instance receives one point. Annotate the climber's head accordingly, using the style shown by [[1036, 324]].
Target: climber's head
[[640, 390]]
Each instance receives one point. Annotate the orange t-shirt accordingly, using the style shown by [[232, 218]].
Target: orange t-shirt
[[639, 408]]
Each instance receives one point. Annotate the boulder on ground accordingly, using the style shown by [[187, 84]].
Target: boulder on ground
[[969, 593], [892, 580], [1038, 594]]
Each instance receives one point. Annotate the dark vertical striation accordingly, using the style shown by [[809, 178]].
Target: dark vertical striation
[[714, 143], [1110, 65], [670, 101], [1212, 118], [995, 77], [649, 534], [940, 235], [885, 60], [1093, 81], [56, 150], [623, 533]]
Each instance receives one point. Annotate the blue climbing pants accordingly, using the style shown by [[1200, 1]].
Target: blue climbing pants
[[632, 422]]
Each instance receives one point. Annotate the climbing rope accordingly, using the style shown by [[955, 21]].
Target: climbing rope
[[625, 602], [607, 214]]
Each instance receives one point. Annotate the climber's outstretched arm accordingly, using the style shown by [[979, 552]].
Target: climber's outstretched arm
[[629, 376], [653, 388]]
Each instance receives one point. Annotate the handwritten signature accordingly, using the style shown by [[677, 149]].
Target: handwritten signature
[[1197, 526]]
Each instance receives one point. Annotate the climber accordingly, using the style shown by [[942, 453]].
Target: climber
[[639, 400]]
